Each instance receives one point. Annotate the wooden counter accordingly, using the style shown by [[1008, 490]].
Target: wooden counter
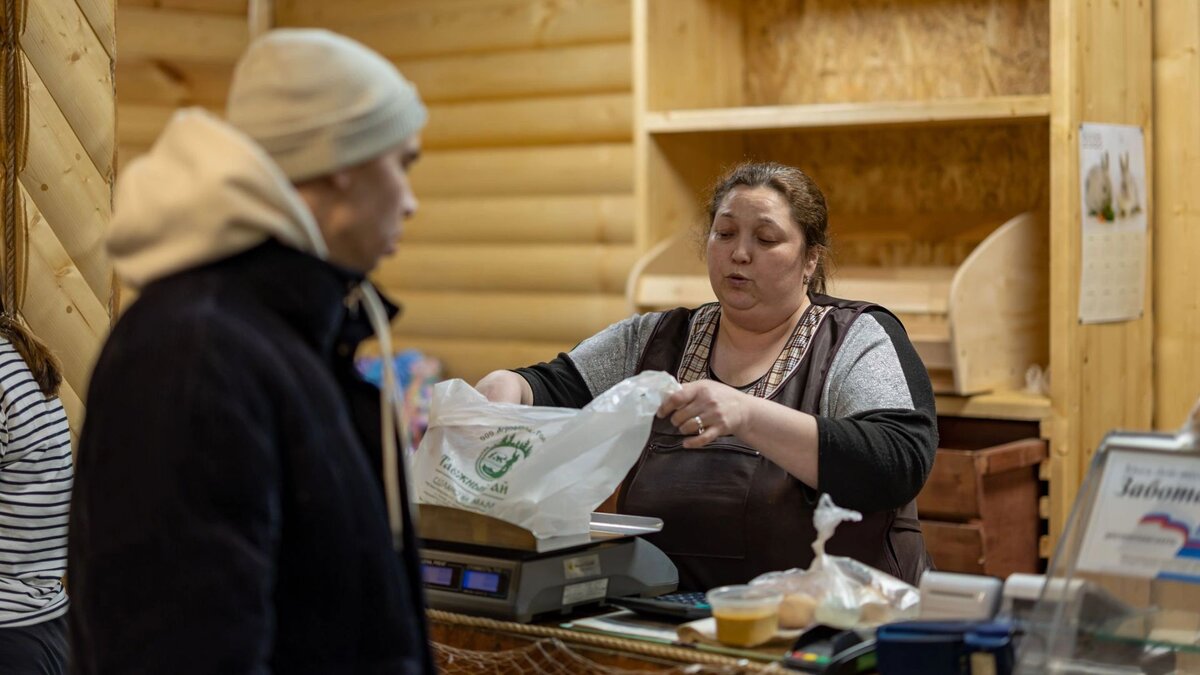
[[467, 644]]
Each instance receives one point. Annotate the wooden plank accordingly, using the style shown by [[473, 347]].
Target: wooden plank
[[1101, 55], [231, 7], [59, 303], [316, 13], [77, 72], [1065, 387], [952, 491], [582, 169], [542, 219], [1005, 405], [919, 290], [1177, 220], [999, 309], [175, 83], [140, 124], [662, 291], [472, 358], [260, 15], [710, 33], [589, 69], [101, 14], [955, 547], [404, 30], [557, 317], [570, 268], [992, 110], [672, 178], [536, 121], [66, 186], [126, 153], [179, 34]]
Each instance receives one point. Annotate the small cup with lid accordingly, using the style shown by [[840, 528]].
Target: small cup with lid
[[746, 616]]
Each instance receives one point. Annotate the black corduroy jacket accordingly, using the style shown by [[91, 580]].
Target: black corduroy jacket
[[228, 514]]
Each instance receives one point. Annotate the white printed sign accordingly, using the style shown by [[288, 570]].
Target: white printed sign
[[1146, 518]]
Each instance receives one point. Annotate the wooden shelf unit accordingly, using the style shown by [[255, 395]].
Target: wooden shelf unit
[[977, 326], [1025, 109], [926, 124]]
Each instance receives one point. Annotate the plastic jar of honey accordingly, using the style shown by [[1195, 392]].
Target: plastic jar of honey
[[746, 615]]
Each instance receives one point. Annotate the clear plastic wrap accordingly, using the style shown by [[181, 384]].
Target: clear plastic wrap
[[839, 591]]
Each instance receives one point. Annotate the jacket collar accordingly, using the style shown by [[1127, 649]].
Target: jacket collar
[[317, 298]]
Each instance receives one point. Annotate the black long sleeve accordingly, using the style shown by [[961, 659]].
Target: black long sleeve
[[557, 383], [879, 458]]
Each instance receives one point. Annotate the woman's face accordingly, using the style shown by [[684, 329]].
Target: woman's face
[[757, 258]]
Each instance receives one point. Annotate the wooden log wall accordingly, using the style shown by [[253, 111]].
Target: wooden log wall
[[1177, 212], [174, 53], [59, 91], [524, 234]]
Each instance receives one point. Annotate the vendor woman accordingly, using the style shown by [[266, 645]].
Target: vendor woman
[[787, 393]]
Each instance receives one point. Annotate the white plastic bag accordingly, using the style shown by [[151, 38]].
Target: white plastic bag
[[542, 468], [839, 591]]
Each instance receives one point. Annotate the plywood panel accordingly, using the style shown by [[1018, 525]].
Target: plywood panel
[[587, 69], [539, 219], [406, 30], [77, 72], [178, 34], [587, 268], [583, 169], [1177, 221], [823, 51], [533, 121], [560, 317]]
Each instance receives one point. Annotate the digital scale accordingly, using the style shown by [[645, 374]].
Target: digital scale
[[478, 565]]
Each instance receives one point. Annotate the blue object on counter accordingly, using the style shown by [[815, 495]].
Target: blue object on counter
[[942, 647]]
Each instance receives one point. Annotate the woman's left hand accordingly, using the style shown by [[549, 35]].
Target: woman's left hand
[[707, 409]]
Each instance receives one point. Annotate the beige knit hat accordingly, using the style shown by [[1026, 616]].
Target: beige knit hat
[[318, 102]]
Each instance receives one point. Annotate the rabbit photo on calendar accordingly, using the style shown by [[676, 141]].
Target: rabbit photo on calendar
[[1098, 190], [1128, 202]]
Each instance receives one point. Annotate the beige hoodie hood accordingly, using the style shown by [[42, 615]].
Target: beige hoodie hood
[[204, 192]]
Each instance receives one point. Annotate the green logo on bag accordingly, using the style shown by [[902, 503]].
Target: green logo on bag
[[498, 459]]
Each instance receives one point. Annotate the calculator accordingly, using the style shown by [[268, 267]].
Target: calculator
[[672, 606]]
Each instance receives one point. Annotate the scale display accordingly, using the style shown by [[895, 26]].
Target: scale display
[[464, 578]]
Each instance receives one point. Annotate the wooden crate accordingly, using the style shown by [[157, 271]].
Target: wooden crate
[[979, 508]]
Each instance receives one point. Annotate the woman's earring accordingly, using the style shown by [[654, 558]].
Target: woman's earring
[[805, 280]]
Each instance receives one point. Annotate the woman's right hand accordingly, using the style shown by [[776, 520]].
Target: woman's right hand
[[505, 386]]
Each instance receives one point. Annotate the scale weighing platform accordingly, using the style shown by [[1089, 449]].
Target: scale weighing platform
[[478, 565]]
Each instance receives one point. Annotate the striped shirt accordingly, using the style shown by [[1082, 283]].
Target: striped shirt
[[36, 473]]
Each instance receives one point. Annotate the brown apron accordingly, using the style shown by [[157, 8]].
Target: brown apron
[[729, 514]]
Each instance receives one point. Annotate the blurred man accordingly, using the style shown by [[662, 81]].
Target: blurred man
[[229, 513]]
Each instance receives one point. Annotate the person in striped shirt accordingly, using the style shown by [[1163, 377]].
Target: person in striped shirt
[[35, 493]]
